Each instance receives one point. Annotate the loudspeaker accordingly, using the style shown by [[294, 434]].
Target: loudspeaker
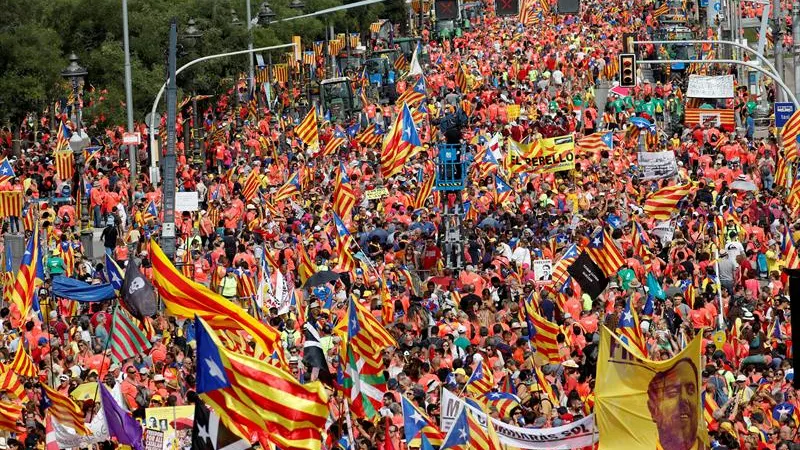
[[446, 9], [794, 303], [569, 6], [506, 7]]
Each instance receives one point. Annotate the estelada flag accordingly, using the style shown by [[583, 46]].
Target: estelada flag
[[645, 405], [251, 395]]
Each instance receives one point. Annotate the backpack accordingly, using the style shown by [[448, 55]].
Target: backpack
[[142, 396]]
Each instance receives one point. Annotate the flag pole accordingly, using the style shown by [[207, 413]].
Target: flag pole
[[105, 351], [348, 421], [51, 380]]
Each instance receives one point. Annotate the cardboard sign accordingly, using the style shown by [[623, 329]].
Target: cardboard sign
[[187, 201], [376, 193], [543, 270], [657, 165], [153, 439], [710, 86]]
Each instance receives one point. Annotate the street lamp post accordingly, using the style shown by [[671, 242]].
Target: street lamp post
[[265, 16], [75, 73], [192, 36], [132, 157]]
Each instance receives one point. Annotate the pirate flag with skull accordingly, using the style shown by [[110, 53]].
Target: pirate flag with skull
[[138, 295]]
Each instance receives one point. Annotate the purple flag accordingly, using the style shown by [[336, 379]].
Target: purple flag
[[121, 425]]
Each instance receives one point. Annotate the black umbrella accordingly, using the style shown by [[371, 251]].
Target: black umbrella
[[380, 233], [490, 222], [320, 278]]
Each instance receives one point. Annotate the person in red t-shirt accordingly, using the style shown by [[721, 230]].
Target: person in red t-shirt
[[430, 255]]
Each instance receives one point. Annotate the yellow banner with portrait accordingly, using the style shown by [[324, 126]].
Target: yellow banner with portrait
[[648, 405]]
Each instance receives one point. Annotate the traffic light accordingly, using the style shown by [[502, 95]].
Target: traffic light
[[627, 70], [446, 9], [506, 7], [627, 42]]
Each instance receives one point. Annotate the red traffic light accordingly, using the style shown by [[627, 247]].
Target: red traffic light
[[627, 64]]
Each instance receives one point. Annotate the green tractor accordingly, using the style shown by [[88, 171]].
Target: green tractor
[[338, 98], [382, 75]]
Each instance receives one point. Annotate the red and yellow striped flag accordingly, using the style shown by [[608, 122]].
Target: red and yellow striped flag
[[424, 191], [546, 333], [306, 267], [9, 382], [544, 385], [10, 413], [789, 134], [65, 164], [24, 284], [251, 395], [661, 10], [371, 336], [663, 202], [185, 298], [11, 204], [64, 410], [791, 259], [604, 252], [288, 190], [307, 130], [461, 78], [709, 406], [481, 381], [781, 171], [251, 185], [23, 364], [344, 197]]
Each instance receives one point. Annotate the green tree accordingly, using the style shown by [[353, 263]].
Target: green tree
[[36, 36], [30, 64]]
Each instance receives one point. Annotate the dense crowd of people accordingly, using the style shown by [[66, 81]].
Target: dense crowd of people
[[721, 278]]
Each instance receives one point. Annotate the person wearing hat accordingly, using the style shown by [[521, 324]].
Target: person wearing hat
[[174, 392], [460, 376], [156, 401], [159, 385], [741, 391]]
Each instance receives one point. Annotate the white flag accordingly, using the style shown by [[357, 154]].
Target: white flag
[[416, 68]]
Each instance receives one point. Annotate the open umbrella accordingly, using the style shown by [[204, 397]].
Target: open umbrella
[[743, 185], [182, 423], [380, 233], [622, 91], [85, 391], [490, 222], [320, 278]]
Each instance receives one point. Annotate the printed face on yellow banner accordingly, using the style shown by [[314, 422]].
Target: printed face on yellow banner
[[644, 404]]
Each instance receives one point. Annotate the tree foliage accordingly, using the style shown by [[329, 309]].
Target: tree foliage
[[37, 35]]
